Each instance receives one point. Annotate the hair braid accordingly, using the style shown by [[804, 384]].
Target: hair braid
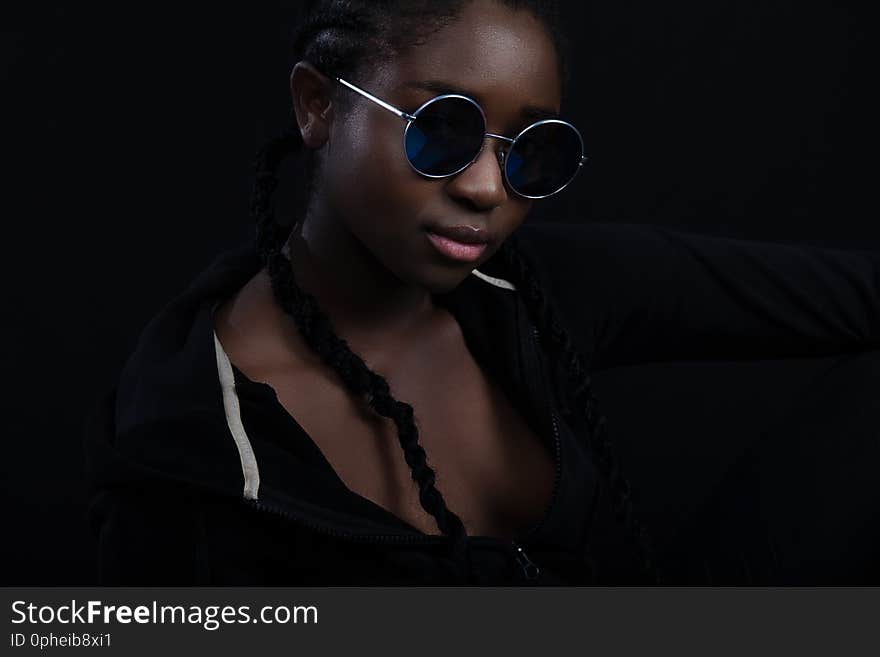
[[544, 313], [318, 332]]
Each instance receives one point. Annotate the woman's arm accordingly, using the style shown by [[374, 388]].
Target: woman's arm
[[633, 293]]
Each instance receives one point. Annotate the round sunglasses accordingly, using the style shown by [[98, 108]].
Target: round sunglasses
[[446, 135]]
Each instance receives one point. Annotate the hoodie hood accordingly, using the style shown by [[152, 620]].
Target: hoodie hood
[[164, 423]]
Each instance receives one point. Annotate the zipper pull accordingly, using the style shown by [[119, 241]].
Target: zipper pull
[[529, 567]]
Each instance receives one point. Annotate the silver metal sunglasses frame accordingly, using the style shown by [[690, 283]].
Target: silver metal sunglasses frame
[[410, 118]]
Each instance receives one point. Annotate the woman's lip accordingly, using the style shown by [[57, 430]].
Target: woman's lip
[[456, 250]]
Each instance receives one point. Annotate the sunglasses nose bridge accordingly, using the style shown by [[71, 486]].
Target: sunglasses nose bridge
[[507, 143], [506, 140]]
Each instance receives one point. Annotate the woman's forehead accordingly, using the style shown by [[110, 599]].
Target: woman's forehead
[[491, 53]]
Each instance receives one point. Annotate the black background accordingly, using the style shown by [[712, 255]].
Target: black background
[[129, 133]]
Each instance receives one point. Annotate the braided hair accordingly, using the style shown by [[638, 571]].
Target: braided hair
[[342, 38]]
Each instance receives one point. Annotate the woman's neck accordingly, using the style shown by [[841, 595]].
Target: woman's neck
[[363, 299]]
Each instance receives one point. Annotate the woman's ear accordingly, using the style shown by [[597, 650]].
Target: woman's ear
[[310, 90]]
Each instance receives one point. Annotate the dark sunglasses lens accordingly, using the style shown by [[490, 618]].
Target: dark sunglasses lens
[[544, 159], [445, 137]]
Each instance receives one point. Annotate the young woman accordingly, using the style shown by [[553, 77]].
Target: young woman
[[395, 389]]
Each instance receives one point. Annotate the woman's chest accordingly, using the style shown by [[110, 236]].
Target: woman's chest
[[491, 467]]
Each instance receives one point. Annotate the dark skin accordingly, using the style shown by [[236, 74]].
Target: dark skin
[[362, 251]]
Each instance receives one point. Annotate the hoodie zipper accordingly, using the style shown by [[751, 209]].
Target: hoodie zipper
[[311, 523], [531, 570]]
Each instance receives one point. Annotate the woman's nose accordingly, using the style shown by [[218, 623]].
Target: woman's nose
[[481, 185]]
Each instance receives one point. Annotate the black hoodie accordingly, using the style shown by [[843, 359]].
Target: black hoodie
[[199, 476]]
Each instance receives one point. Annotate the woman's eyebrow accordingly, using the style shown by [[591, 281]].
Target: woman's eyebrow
[[528, 112]]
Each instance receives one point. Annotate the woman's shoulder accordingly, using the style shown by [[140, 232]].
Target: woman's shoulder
[[545, 234], [585, 249]]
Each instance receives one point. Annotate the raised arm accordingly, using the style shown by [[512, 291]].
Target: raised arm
[[632, 293]]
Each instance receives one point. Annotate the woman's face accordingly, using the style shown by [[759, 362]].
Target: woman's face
[[503, 59]]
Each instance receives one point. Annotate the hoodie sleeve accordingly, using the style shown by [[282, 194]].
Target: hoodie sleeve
[[148, 539], [147, 534], [632, 293]]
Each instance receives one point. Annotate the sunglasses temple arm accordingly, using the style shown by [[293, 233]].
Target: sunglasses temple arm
[[381, 103]]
